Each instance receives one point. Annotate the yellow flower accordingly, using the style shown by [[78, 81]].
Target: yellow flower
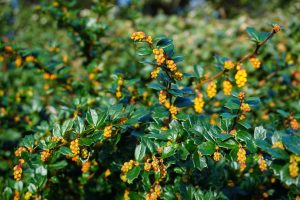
[[27, 195], [227, 87], [29, 59], [138, 36], [126, 195], [162, 97], [173, 111], [159, 56], [255, 62], [74, 146], [18, 61], [241, 77], [45, 155], [85, 167], [217, 156], [276, 28], [178, 76], [108, 131], [241, 158], [107, 173], [155, 72], [18, 172], [199, 103], [171, 65], [228, 64], [278, 144], [245, 107], [211, 89], [262, 163]]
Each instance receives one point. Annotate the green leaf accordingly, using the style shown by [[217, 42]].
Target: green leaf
[[178, 59], [155, 86], [86, 141], [254, 35], [67, 126], [292, 143], [79, 125], [144, 51], [133, 174], [139, 152], [168, 151], [278, 153], [57, 131], [65, 150], [59, 165], [199, 162], [207, 148], [92, 117], [198, 70], [263, 145], [243, 136], [28, 141]]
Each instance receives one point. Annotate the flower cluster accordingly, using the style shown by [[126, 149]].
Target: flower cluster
[[217, 154], [86, 167], [108, 131], [84, 153], [228, 64], [159, 56], [171, 65], [138, 36], [126, 167], [255, 62], [293, 167], [178, 76], [162, 97], [262, 163], [45, 155], [227, 87], [245, 107], [126, 195], [19, 151], [155, 72], [294, 123], [173, 111], [156, 165], [119, 88], [199, 103], [74, 146], [211, 89], [241, 77], [18, 170], [241, 158], [154, 193], [278, 144]]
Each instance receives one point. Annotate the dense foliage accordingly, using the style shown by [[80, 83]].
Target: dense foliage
[[109, 108]]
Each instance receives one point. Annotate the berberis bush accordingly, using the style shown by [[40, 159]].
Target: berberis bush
[[76, 124]]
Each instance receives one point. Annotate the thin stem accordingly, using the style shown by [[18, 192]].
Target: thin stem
[[247, 56]]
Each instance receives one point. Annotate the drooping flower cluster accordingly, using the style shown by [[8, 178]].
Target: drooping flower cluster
[[155, 72], [173, 111], [294, 123], [162, 97], [45, 155], [86, 167], [211, 89], [278, 144], [19, 151], [262, 163], [293, 167], [241, 158], [255, 62], [18, 170], [199, 103], [74, 146], [159, 56], [217, 154], [227, 87], [108, 131], [154, 193], [119, 88], [171, 65], [228, 64], [245, 107], [241, 77]]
